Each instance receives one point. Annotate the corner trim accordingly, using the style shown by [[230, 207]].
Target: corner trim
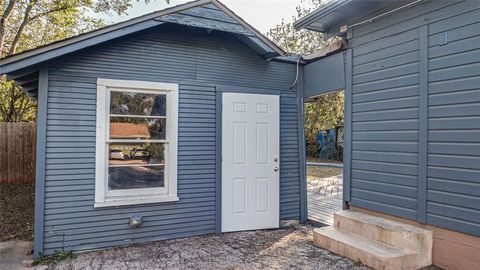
[[423, 127], [347, 156], [301, 148], [41, 141], [218, 162]]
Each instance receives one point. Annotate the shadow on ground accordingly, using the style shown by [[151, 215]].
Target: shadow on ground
[[269, 249]]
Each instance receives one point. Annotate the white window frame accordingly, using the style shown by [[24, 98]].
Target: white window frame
[[168, 193]]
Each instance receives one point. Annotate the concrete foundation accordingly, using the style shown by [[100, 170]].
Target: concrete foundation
[[451, 250], [377, 242]]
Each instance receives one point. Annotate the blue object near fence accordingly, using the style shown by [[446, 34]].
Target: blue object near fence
[[327, 142], [320, 137]]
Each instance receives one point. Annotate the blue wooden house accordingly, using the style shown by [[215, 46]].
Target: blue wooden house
[[130, 130], [411, 74], [185, 122]]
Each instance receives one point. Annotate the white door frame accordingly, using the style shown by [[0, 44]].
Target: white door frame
[[254, 219]]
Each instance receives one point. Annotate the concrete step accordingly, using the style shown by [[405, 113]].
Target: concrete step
[[400, 235], [364, 250]]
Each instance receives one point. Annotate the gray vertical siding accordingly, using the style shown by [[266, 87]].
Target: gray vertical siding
[[416, 115], [198, 62]]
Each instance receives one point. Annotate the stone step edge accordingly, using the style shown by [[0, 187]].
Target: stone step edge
[[362, 243], [375, 221]]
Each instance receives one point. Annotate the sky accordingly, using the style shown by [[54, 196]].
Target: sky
[[261, 14]]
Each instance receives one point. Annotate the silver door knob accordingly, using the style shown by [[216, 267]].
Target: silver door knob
[[276, 169]]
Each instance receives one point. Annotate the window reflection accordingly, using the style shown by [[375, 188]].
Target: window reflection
[[138, 117], [131, 103], [136, 153], [137, 128], [135, 177]]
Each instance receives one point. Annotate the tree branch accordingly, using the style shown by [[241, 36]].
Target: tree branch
[[22, 108], [26, 19], [3, 23], [48, 12]]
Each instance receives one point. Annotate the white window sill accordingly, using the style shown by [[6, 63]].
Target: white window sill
[[124, 202]]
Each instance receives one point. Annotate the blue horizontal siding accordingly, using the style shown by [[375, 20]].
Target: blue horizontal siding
[[71, 222], [386, 103], [454, 122], [197, 61]]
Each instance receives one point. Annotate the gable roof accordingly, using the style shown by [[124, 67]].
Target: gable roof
[[328, 18], [210, 14]]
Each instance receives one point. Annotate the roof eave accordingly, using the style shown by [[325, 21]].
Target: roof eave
[[100, 32], [263, 38], [304, 22], [330, 18], [44, 54], [49, 52]]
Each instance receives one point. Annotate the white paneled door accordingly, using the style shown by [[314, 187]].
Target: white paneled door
[[250, 162]]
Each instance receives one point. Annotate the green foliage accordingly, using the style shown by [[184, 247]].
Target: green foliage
[[58, 256], [293, 41], [27, 24], [15, 105], [323, 113], [327, 110]]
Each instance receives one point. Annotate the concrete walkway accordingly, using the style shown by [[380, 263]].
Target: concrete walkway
[[13, 253], [325, 164]]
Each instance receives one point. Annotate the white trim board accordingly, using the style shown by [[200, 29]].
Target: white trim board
[[168, 193]]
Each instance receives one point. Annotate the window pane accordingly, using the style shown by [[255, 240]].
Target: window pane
[[137, 128], [136, 153], [135, 177], [131, 103]]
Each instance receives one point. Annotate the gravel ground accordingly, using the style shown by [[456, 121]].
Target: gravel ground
[[17, 204], [271, 249]]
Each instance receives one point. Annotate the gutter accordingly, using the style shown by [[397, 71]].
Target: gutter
[[375, 18], [322, 11]]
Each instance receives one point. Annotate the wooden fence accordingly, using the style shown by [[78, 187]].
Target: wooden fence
[[17, 152]]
